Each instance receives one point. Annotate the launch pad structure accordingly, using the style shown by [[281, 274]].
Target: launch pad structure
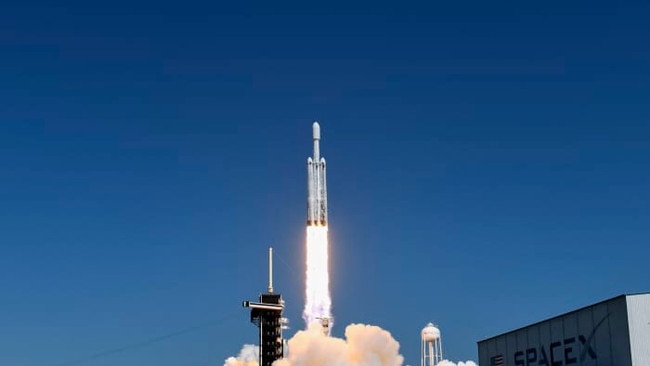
[[267, 316]]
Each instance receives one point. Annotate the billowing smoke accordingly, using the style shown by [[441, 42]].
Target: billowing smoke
[[449, 363], [248, 356], [364, 345]]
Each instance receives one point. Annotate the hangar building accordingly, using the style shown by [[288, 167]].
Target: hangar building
[[614, 332]]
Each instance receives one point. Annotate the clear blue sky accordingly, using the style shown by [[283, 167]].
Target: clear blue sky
[[488, 163]]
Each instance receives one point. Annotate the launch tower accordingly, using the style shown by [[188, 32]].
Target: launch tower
[[267, 315]]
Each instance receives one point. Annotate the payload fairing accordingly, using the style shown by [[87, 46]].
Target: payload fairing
[[316, 184]]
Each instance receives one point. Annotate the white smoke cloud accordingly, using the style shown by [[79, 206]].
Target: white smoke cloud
[[248, 356], [364, 345], [449, 363]]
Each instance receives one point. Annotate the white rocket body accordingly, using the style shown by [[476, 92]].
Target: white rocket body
[[316, 184]]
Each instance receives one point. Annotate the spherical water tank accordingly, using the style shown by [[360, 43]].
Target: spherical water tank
[[430, 333]]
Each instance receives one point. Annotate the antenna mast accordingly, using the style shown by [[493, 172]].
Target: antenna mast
[[270, 270]]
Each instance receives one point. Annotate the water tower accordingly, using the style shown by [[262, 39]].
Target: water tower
[[431, 346]]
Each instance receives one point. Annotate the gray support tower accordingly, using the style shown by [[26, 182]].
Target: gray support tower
[[267, 315]]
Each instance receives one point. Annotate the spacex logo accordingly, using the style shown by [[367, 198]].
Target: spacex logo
[[559, 353], [570, 351], [577, 350]]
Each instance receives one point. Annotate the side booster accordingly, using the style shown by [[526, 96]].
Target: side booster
[[316, 184]]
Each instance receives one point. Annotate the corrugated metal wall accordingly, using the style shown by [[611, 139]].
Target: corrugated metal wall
[[638, 313], [593, 336]]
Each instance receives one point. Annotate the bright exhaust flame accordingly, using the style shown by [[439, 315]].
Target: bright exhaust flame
[[318, 302]]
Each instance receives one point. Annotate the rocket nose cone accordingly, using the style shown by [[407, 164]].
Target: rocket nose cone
[[316, 129]]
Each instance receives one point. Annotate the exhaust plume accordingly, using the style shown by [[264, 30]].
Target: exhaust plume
[[317, 295]]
